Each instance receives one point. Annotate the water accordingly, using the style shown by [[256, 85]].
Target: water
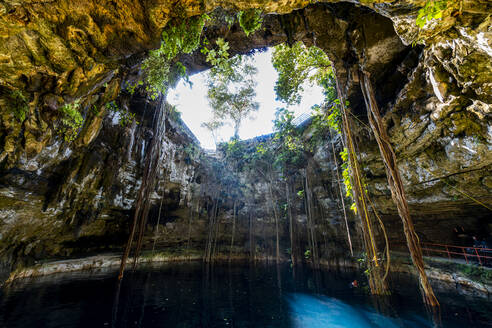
[[193, 295]]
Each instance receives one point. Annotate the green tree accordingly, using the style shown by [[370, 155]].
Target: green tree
[[298, 65], [213, 126], [231, 90], [288, 143]]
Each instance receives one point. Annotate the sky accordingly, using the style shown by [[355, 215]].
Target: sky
[[193, 104]]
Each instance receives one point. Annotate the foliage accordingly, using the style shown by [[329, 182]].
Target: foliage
[[346, 174], [192, 151], [131, 87], [298, 65], [250, 20], [231, 91], [433, 9], [307, 254], [288, 143], [125, 117], [476, 273], [161, 69], [18, 104], [213, 126], [219, 56], [174, 114], [71, 121], [234, 149]]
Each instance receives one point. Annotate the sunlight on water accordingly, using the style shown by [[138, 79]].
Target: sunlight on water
[[327, 312]]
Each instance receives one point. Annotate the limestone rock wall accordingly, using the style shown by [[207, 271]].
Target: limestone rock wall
[[61, 199]]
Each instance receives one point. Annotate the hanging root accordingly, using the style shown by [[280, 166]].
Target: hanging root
[[387, 250], [396, 186], [377, 284], [148, 184], [341, 196]]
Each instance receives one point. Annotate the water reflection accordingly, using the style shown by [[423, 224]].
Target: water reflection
[[193, 295]]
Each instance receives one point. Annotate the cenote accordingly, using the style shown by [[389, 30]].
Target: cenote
[[234, 295], [260, 163]]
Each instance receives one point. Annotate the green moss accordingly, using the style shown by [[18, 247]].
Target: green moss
[[71, 121], [17, 103], [465, 123], [250, 20], [433, 9], [476, 273]]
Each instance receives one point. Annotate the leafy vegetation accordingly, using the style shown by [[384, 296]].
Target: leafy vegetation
[[174, 113], [132, 87], [250, 20], [219, 56], [289, 147], [213, 126], [18, 104], [298, 65], [71, 121], [192, 151], [433, 9], [125, 117], [161, 68], [476, 273]]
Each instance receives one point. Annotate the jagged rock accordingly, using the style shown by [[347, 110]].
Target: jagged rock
[[60, 199]]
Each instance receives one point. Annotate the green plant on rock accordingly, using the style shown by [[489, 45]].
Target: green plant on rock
[[216, 56], [125, 117], [346, 175], [433, 9], [71, 121], [288, 143], [481, 274], [192, 151], [250, 20], [132, 87], [18, 104], [161, 68], [174, 114]]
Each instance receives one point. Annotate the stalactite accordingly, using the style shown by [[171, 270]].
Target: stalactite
[[396, 187]]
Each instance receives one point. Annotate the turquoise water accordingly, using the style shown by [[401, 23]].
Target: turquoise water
[[194, 295]]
